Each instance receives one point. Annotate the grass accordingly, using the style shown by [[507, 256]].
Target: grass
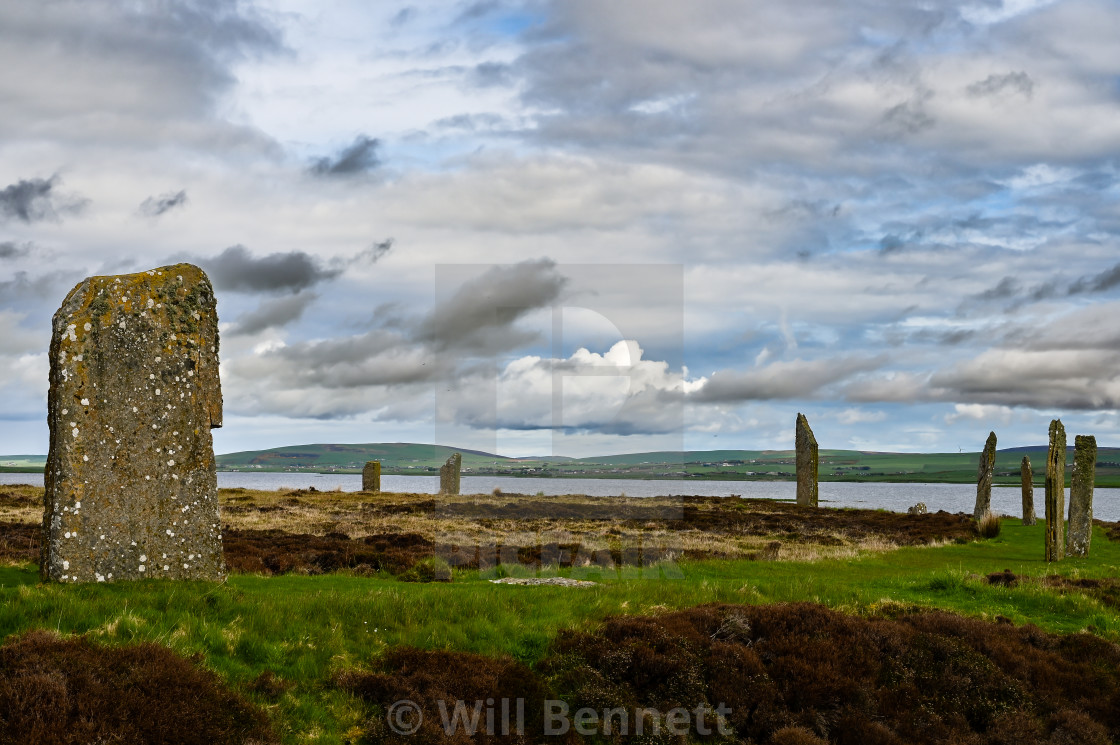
[[307, 629]]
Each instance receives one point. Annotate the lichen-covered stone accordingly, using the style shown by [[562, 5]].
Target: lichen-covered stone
[[806, 460], [1081, 495], [918, 509], [371, 476], [1027, 475], [984, 475], [449, 474], [131, 489], [1056, 492]]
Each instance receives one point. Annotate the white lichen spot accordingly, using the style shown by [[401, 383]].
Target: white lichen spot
[[143, 557], [170, 533], [85, 458], [77, 505], [143, 568], [166, 568], [85, 402], [74, 431], [151, 302], [65, 412], [146, 478], [151, 376], [171, 462], [157, 391], [135, 410], [65, 564], [88, 326]]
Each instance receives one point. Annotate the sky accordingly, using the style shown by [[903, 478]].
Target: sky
[[570, 227]]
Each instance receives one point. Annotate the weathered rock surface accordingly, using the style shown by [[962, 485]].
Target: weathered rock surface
[[371, 476], [918, 509], [1027, 475], [449, 474], [131, 489], [806, 460], [984, 475], [1081, 495], [1056, 492]]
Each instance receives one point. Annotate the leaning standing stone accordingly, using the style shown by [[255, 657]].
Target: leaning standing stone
[[131, 489], [1055, 492], [984, 478], [1028, 491], [371, 476], [449, 474], [1081, 495], [806, 459]]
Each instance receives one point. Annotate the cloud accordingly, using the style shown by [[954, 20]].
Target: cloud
[[783, 380], [1105, 280], [35, 200], [11, 250], [479, 316], [156, 206], [272, 313], [357, 158], [238, 270], [1016, 82], [860, 416]]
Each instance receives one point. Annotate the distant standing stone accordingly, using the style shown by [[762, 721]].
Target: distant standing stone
[[984, 478], [806, 459], [1081, 495], [918, 509], [1056, 492], [131, 489], [1028, 492], [449, 474], [371, 476]]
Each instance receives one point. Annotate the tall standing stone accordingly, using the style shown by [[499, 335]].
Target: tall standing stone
[[449, 474], [1056, 492], [131, 489], [1027, 476], [806, 460], [1081, 495], [371, 476], [984, 478]]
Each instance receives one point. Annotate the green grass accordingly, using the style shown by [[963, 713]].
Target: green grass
[[304, 629]]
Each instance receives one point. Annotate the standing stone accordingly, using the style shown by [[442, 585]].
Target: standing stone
[[1028, 492], [1081, 495], [806, 459], [371, 476], [131, 489], [449, 474], [984, 478], [1055, 492]]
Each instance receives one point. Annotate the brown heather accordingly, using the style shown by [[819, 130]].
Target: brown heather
[[58, 691], [794, 674]]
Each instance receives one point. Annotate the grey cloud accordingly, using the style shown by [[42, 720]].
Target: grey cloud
[[156, 206], [273, 313], [10, 250], [1005, 288], [113, 68], [891, 244], [1018, 82], [403, 16], [909, 117], [1106, 280], [375, 251], [35, 200], [479, 315], [470, 122], [782, 380], [358, 157], [491, 74], [1062, 379], [237, 269]]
